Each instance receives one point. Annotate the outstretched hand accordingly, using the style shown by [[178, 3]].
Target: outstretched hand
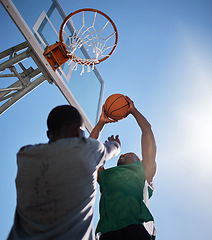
[[104, 118], [115, 139]]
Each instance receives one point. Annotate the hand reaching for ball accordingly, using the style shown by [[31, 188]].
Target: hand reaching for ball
[[131, 105], [104, 118]]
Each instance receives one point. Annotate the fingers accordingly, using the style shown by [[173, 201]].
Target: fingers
[[111, 138], [129, 100], [131, 107], [115, 139], [105, 118], [103, 112]]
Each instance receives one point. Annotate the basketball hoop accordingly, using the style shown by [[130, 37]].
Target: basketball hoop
[[93, 31]]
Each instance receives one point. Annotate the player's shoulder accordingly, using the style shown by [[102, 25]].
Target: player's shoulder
[[30, 147], [25, 147]]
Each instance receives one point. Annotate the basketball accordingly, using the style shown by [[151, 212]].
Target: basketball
[[116, 106]]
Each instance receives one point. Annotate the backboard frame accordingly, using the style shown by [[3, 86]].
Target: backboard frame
[[47, 70]]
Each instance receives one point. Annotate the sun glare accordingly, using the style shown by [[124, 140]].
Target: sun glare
[[195, 111]]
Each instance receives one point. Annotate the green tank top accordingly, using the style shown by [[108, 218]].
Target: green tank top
[[122, 195]]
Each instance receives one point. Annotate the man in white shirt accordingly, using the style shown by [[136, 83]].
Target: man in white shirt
[[56, 181]]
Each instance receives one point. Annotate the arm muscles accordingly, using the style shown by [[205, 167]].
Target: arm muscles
[[148, 145]]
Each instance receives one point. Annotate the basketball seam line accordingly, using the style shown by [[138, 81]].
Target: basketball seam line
[[119, 108], [112, 104]]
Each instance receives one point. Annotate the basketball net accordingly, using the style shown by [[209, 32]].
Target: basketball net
[[98, 45]]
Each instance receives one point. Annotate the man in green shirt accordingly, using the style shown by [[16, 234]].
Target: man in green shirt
[[126, 188]]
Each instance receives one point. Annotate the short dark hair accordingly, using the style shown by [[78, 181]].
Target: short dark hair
[[64, 115]]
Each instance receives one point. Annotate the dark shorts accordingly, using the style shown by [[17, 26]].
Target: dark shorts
[[131, 232]]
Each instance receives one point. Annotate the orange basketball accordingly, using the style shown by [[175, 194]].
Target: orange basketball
[[116, 106]]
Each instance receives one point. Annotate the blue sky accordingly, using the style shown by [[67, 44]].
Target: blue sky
[[163, 62]]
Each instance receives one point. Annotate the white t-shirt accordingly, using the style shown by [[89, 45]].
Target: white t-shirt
[[56, 188]]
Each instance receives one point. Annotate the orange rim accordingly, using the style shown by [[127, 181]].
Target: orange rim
[[86, 10]]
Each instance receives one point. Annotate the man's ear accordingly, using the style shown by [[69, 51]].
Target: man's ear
[[48, 135]]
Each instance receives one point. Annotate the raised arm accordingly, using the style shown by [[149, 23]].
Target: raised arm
[[148, 145], [99, 126], [111, 148], [112, 144]]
